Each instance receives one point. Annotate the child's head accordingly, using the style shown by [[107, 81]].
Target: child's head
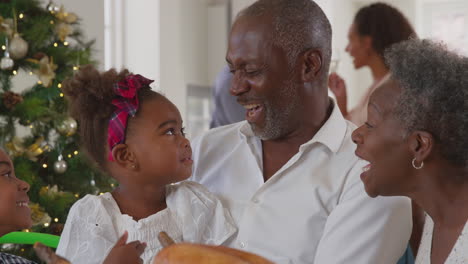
[[149, 148], [14, 210]]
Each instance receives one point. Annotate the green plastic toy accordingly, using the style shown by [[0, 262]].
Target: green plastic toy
[[30, 238]]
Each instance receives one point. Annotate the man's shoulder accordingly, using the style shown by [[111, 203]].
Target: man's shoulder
[[188, 189], [225, 130], [219, 135], [189, 193]]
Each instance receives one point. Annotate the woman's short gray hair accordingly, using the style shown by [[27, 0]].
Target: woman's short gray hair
[[434, 96]]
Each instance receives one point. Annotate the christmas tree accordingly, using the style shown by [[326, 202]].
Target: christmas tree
[[44, 41]]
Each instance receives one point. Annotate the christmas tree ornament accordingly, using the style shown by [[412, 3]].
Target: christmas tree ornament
[[18, 47], [15, 147], [67, 127], [10, 99], [38, 215], [46, 71], [52, 192], [65, 16], [37, 148], [6, 26], [6, 62], [52, 8], [63, 30], [60, 166]]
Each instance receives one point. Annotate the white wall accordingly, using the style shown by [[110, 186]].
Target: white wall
[[91, 13], [141, 38], [171, 51], [238, 5], [193, 46], [217, 23]]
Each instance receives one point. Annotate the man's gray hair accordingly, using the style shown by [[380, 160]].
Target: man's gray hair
[[299, 25], [434, 96]]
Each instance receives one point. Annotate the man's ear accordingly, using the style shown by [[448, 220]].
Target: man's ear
[[124, 157], [421, 144], [312, 65]]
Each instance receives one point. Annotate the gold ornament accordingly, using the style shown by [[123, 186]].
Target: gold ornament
[[66, 17], [52, 192], [38, 215], [63, 30], [6, 26], [46, 71], [18, 47], [67, 127], [15, 147], [37, 148]]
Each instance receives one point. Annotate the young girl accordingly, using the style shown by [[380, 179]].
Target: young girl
[[136, 136], [15, 215]]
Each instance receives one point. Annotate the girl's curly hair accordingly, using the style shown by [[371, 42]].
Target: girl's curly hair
[[89, 94]]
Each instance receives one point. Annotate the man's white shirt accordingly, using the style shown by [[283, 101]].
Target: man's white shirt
[[314, 209]]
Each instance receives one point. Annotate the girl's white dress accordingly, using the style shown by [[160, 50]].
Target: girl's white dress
[[459, 253], [95, 223]]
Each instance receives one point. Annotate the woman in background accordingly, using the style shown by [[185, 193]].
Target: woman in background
[[375, 28]]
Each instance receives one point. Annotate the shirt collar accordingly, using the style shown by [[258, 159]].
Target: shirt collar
[[331, 134]]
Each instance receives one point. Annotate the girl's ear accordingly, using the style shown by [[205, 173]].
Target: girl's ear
[[421, 144], [312, 65], [124, 157]]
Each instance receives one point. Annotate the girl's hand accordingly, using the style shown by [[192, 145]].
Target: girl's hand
[[338, 88], [123, 252], [48, 255]]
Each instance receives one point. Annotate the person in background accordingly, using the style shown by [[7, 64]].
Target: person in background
[[415, 141], [288, 174], [375, 28], [226, 109]]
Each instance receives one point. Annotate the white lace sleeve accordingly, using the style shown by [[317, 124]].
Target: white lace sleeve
[[88, 234], [202, 215]]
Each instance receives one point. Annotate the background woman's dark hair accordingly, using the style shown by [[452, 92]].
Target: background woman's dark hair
[[89, 94], [385, 24]]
